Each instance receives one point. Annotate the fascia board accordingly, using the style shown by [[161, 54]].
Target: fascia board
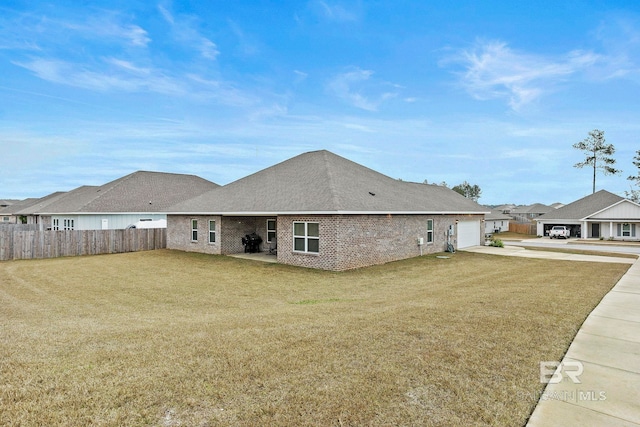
[[244, 213]]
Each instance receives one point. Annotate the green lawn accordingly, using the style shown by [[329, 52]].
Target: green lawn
[[166, 338]]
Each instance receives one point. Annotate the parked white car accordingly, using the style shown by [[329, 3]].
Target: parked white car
[[558, 231], [158, 223]]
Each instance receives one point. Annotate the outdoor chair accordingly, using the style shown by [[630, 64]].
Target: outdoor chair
[[273, 246]]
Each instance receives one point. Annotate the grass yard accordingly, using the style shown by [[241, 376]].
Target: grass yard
[[168, 338]]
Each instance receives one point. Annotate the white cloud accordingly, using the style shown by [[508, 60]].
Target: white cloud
[[493, 70], [300, 76], [129, 66], [185, 31], [107, 26], [166, 14], [333, 12], [101, 78], [355, 87]]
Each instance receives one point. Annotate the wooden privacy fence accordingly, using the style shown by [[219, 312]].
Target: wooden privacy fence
[[523, 228], [53, 244]]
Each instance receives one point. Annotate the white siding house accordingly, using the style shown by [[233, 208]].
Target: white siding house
[[140, 196], [602, 215]]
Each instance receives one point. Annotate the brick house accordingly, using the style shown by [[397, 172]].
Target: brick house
[[326, 212]]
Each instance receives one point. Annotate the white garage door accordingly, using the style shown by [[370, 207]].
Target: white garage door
[[468, 234]]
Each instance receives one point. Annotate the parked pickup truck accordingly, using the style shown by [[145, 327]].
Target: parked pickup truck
[[559, 231]]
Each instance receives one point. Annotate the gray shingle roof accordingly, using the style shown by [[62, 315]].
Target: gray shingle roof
[[14, 207], [536, 208], [323, 182], [584, 207], [140, 191], [495, 215], [32, 206]]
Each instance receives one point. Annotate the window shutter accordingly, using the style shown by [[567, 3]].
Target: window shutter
[[619, 229], [633, 230]]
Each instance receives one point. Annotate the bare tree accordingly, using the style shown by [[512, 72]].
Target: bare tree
[[598, 154]]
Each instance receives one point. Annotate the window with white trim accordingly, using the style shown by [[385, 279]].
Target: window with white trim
[[429, 231], [56, 224], [271, 230], [626, 230], [306, 237], [194, 230], [68, 224], [212, 231]]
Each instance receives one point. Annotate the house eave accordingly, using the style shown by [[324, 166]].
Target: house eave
[[339, 212], [101, 213]]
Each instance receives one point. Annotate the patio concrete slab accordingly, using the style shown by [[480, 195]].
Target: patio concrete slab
[[257, 256]]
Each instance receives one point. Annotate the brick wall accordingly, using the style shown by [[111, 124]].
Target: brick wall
[[346, 241], [229, 233], [353, 241], [179, 234], [376, 239], [325, 259]]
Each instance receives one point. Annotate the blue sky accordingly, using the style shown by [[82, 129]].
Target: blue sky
[[492, 92]]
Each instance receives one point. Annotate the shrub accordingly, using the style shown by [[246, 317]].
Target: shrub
[[497, 243]]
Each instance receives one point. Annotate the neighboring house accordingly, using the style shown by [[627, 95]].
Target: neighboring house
[[600, 215], [5, 203], [7, 207], [25, 211], [529, 212], [326, 212], [140, 196], [496, 222], [505, 209]]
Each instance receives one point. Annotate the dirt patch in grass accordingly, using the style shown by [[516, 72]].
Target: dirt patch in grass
[[167, 338]]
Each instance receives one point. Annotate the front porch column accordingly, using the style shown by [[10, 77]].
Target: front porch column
[[611, 230], [584, 234]]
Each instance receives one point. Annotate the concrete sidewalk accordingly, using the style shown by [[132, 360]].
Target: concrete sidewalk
[[606, 348]]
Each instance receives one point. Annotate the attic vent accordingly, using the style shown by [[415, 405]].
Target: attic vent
[[373, 194]]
